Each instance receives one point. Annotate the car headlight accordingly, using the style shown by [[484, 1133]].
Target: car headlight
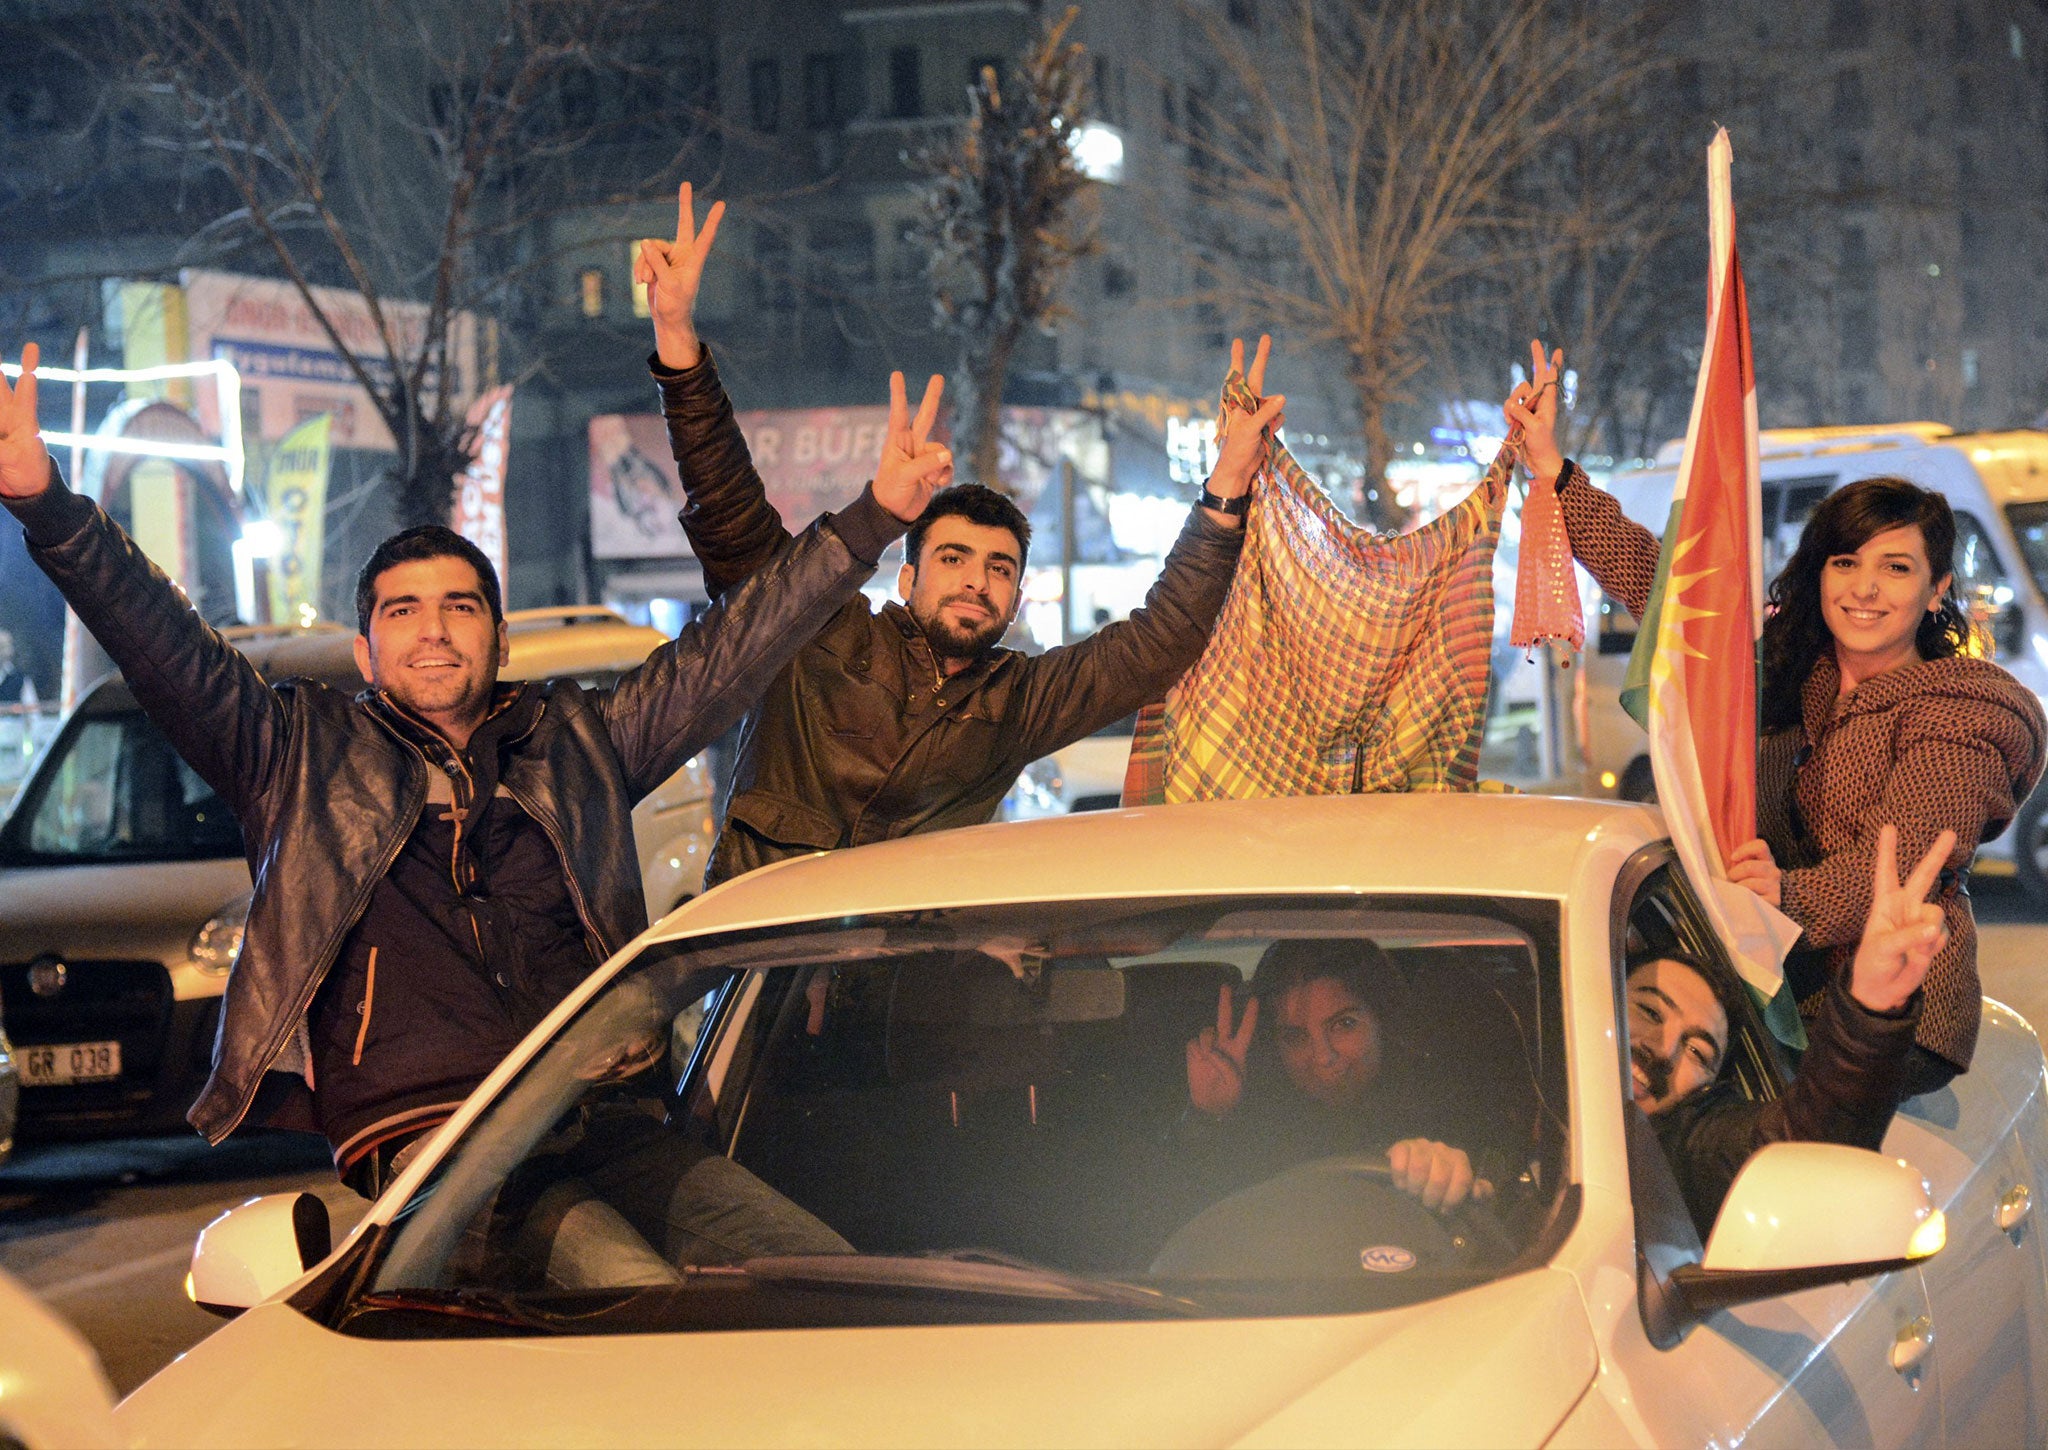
[[216, 944]]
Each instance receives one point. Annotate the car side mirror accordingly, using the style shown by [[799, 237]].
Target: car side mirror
[[250, 1253], [1805, 1214]]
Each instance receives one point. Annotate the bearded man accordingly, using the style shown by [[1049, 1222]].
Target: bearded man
[[914, 718], [1852, 1075]]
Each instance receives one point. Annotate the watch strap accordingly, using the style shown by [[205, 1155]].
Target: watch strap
[[1239, 506]]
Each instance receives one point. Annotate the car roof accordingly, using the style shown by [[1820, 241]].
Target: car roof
[[1465, 844], [573, 640]]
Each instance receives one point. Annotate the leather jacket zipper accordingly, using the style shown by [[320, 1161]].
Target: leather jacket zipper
[[568, 874], [348, 922]]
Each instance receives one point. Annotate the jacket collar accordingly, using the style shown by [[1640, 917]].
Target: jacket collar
[[515, 710], [991, 659], [1954, 675]]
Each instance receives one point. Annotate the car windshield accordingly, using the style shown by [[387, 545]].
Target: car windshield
[[981, 1115], [115, 790]]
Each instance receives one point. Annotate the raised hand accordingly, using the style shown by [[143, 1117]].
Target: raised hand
[[913, 468], [1245, 435], [1216, 1057], [672, 272], [1905, 931], [1533, 407], [24, 461], [1438, 1174]]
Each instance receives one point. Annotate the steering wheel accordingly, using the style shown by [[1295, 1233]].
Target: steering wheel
[[1331, 1218]]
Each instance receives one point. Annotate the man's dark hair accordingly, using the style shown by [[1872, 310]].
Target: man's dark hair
[[428, 541], [978, 504], [1717, 980]]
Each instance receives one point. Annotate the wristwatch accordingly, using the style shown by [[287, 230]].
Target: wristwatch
[[1240, 505]]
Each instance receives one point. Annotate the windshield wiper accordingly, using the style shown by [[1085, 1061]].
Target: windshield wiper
[[957, 1271], [487, 1306]]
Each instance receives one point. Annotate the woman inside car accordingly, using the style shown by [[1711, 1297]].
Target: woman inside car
[[1874, 707], [1330, 1076]]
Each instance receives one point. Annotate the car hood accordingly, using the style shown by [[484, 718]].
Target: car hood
[[1496, 1365], [130, 911]]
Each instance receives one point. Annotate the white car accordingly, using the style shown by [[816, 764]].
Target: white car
[[966, 1054], [53, 1393], [123, 887]]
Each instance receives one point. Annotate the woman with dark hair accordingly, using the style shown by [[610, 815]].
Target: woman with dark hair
[[1331, 1075], [1873, 708]]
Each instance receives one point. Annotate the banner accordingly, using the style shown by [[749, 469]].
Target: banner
[[480, 491], [1692, 677], [297, 495], [291, 370], [811, 461]]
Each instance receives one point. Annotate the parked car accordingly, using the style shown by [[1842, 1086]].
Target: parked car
[[1086, 776], [10, 1088], [965, 1053], [123, 887]]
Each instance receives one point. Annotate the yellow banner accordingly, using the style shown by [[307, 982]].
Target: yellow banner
[[298, 505]]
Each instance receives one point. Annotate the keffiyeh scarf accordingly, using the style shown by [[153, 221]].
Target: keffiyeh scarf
[[1343, 660]]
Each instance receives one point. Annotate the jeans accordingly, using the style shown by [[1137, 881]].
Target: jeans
[[632, 1202]]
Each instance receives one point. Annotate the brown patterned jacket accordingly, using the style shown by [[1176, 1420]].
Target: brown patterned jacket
[[1950, 744]]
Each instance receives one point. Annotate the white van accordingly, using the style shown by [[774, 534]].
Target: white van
[[1997, 483]]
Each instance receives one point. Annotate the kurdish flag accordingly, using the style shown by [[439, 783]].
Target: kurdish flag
[[1692, 678]]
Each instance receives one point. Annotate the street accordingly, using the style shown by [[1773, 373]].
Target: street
[[103, 1232]]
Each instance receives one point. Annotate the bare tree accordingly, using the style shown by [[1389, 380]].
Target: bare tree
[[1363, 160], [1002, 227], [391, 148]]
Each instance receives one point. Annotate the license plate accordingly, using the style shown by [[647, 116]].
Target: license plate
[[68, 1062]]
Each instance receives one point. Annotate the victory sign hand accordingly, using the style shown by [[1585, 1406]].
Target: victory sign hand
[[1243, 435], [672, 272], [913, 467], [1216, 1057], [1533, 405], [1905, 931], [24, 461]]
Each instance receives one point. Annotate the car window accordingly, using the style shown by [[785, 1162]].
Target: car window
[[1661, 918], [2030, 527], [985, 1114], [1787, 504], [117, 791]]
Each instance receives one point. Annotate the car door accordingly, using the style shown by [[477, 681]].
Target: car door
[[1812, 1368], [1987, 1285]]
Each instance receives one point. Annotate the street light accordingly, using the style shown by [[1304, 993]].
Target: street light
[[1099, 152]]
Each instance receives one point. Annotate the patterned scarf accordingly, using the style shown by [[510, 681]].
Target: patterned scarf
[[1344, 660]]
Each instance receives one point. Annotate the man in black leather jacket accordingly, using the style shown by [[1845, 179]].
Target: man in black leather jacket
[[1849, 1078], [913, 718], [440, 858]]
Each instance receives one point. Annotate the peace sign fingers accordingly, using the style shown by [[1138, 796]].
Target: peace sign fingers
[[1233, 1044], [899, 414], [19, 401], [24, 462], [1256, 378], [927, 413], [1905, 931]]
